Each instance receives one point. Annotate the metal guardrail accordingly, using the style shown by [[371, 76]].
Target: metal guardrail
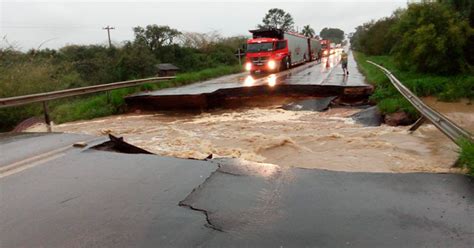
[[43, 97], [53, 95], [445, 125]]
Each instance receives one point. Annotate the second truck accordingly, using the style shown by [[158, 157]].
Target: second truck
[[273, 50]]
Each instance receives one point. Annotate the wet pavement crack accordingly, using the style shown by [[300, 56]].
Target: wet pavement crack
[[205, 212], [183, 203]]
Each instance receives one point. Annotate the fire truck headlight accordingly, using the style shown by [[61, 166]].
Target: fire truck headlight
[[248, 66], [271, 64]]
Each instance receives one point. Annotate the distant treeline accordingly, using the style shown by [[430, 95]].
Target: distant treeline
[[428, 37], [82, 65]]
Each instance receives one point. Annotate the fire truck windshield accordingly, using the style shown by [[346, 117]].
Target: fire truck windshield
[[260, 47]]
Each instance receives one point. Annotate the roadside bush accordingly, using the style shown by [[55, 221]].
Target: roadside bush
[[432, 39], [376, 37], [466, 156], [73, 66]]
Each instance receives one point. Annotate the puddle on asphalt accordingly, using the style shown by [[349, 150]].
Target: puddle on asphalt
[[325, 140]]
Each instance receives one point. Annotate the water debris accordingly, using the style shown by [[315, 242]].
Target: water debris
[[316, 104], [116, 144], [371, 117], [80, 144]]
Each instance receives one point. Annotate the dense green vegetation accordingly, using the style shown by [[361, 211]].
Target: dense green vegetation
[[445, 87], [428, 37], [426, 46], [200, 56], [102, 104]]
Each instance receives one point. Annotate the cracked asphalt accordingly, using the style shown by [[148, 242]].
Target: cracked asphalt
[[89, 198]]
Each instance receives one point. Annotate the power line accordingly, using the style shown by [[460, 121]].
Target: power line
[[108, 28]]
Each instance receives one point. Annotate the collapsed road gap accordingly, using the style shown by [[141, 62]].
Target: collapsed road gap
[[246, 96], [315, 104], [326, 140]]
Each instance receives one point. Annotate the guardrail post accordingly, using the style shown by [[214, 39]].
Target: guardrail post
[[47, 120], [417, 124]]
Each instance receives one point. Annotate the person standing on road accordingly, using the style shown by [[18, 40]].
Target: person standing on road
[[344, 57]]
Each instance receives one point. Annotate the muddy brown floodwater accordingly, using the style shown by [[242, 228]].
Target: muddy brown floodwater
[[326, 140], [461, 112]]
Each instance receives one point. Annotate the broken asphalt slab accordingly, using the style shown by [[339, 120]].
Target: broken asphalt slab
[[263, 205], [371, 117], [90, 198], [108, 199], [318, 104]]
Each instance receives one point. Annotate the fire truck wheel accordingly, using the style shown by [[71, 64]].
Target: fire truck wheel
[[286, 64]]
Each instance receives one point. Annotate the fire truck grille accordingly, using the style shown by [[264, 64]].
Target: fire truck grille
[[259, 60]]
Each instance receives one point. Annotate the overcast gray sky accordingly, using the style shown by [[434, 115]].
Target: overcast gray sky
[[29, 23]]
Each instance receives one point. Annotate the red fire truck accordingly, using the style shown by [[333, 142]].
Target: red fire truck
[[272, 50], [314, 48], [326, 47]]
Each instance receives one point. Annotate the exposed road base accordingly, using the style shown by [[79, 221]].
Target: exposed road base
[[242, 96]]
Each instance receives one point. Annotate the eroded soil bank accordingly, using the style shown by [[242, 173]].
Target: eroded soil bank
[[326, 140]]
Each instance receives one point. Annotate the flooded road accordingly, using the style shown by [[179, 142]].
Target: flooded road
[[307, 139], [326, 140]]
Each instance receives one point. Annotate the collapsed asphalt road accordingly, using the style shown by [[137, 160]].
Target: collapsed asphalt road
[[277, 123], [314, 79], [87, 197]]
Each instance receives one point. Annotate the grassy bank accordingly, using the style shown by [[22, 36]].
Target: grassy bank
[[389, 100], [101, 104], [466, 156]]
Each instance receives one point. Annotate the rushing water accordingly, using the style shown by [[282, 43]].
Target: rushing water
[[327, 140], [461, 112]]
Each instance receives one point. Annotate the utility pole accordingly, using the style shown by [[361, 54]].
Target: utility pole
[[240, 53], [108, 28]]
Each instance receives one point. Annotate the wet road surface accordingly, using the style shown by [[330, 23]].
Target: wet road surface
[[44, 142], [107, 199], [332, 75]]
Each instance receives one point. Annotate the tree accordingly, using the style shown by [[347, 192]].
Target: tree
[[466, 9], [200, 41], [375, 38], [308, 31], [334, 34], [154, 36], [432, 39], [277, 18]]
